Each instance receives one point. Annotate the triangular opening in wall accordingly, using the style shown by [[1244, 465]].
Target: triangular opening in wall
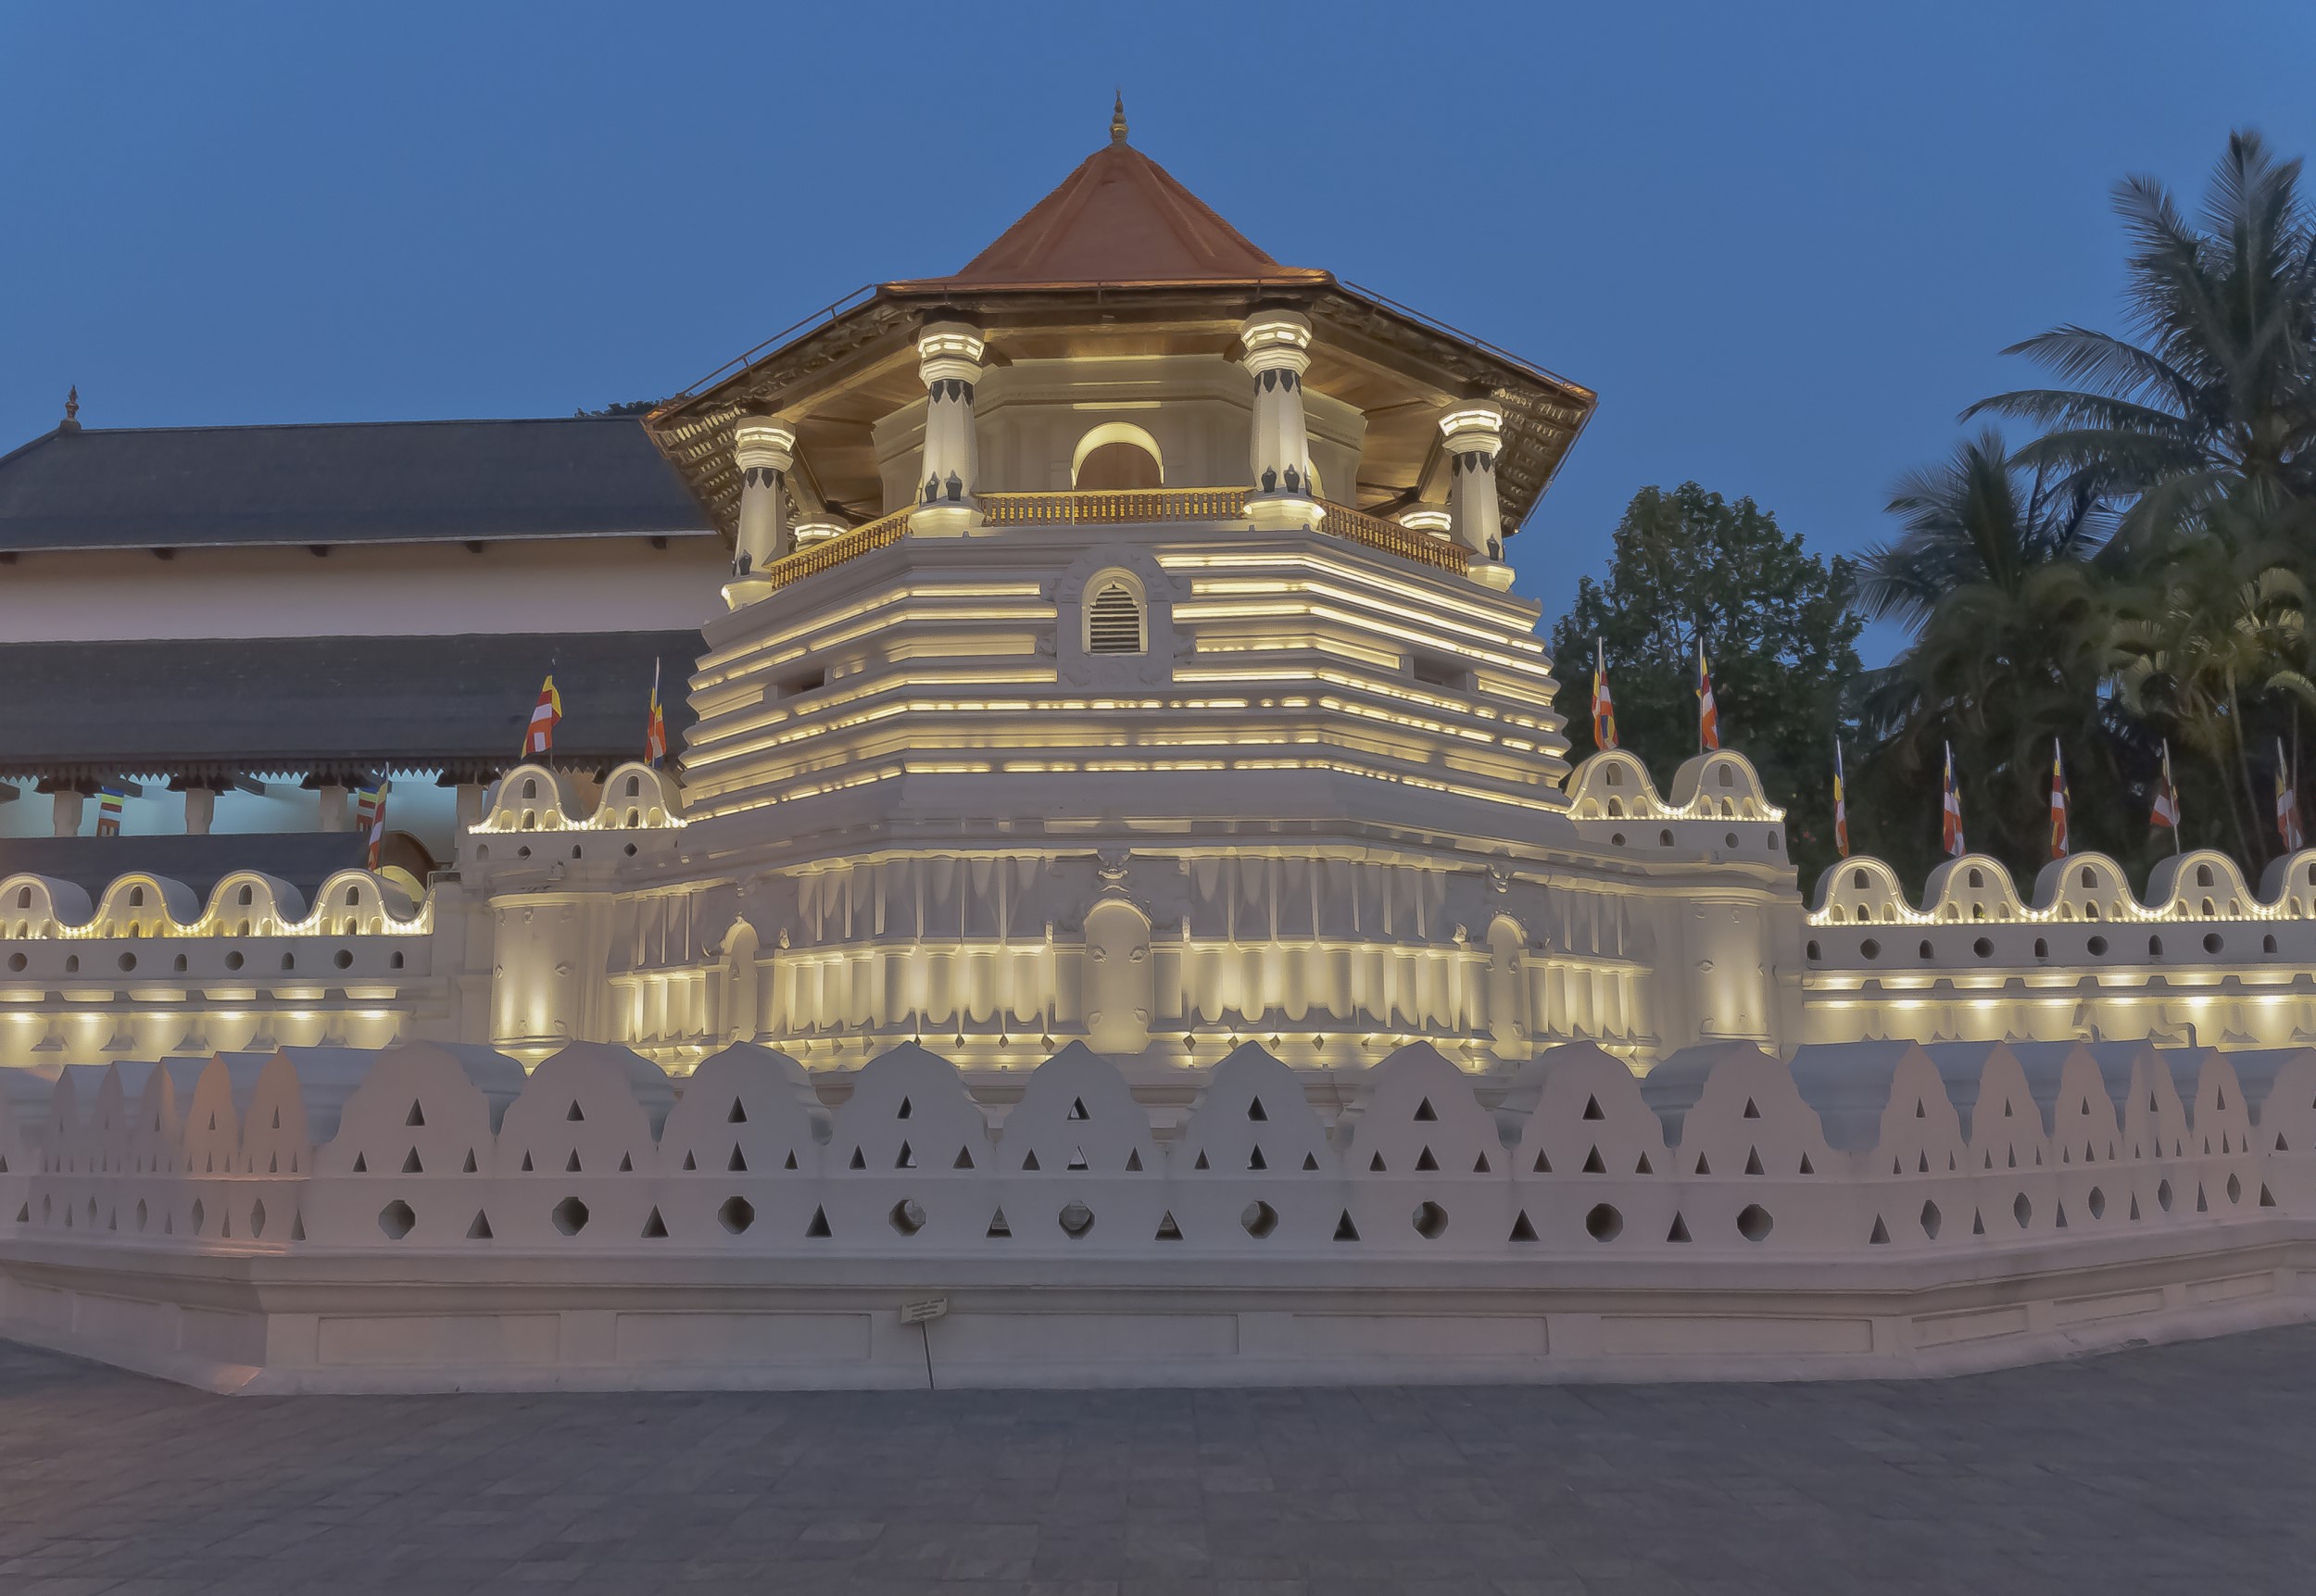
[[654, 1227], [1680, 1232], [1950, 1164], [410, 1165], [361, 1163], [24, 1214], [689, 1162], [1544, 1164], [905, 1109], [858, 1161], [1254, 1110], [2267, 1198], [415, 1117], [790, 1163], [1309, 1160], [213, 1122], [1168, 1229], [1919, 1112], [1375, 1165], [1200, 1162], [1029, 1160], [526, 1161], [1751, 1112], [277, 1120], [1344, 1229], [738, 1114], [1480, 1165], [1078, 1108], [739, 1159], [1703, 1167], [1881, 1237], [1922, 1162], [574, 1112], [470, 1163], [4, 1165], [2011, 1159], [2201, 1206], [1521, 1229], [964, 1159], [1077, 1159], [2135, 1205], [1807, 1167], [2219, 1098], [1642, 1167], [481, 1229], [2061, 1222], [818, 1229], [1753, 1161], [1423, 1110], [571, 1165], [1424, 1160], [626, 1164], [1978, 1222], [907, 1160], [1255, 1159], [1592, 1109], [298, 1226], [1134, 1160], [997, 1227], [1989, 1159]]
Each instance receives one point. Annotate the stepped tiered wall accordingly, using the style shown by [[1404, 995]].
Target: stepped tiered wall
[[428, 1217]]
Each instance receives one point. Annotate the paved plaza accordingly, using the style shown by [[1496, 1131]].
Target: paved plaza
[[2187, 1468]]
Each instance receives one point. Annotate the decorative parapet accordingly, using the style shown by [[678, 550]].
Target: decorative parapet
[[532, 797]]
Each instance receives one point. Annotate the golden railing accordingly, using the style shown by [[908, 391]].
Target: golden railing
[[1357, 526], [1123, 505], [1113, 505]]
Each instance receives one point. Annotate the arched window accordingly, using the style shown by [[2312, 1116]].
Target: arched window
[[1114, 623], [1116, 455]]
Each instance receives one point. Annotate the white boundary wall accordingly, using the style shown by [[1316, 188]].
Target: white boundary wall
[[428, 1218]]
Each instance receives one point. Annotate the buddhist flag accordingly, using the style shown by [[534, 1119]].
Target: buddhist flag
[[1950, 815], [370, 819], [1709, 713], [110, 801], [2059, 803], [2166, 810], [2287, 804], [545, 714], [1841, 805], [1604, 705], [655, 728]]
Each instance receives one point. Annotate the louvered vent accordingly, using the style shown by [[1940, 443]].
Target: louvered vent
[[1114, 625]]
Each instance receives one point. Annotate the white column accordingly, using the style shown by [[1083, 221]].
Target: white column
[[200, 810], [65, 809], [763, 450], [1277, 347], [948, 358], [469, 803], [333, 806], [1474, 431]]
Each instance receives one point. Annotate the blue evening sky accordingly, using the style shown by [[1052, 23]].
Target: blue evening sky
[[1783, 244]]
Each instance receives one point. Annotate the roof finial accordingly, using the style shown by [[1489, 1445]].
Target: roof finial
[[1117, 120], [71, 409]]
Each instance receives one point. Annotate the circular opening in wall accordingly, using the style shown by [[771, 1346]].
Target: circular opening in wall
[[1603, 1223], [127, 961], [1870, 949], [232, 959], [1431, 1221], [2097, 946], [2236, 1189], [2212, 942], [1931, 1220], [737, 1215], [1076, 1219], [2098, 1203], [17, 961], [1258, 1219], [256, 1220], [631, 850], [1814, 954], [1617, 838], [1984, 947], [2163, 1195], [199, 1214], [908, 1216], [343, 958], [1754, 1221], [1731, 841], [394, 1219], [570, 1216], [523, 852], [2022, 1211]]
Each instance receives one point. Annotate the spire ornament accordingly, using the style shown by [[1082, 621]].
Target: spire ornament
[[71, 422], [1118, 118]]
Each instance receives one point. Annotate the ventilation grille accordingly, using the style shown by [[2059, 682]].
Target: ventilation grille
[[1114, 625]]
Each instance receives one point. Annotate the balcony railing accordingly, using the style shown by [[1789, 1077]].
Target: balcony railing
[[1124, 505]]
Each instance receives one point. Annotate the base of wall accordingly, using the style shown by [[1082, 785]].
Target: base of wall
[[259, 1323]]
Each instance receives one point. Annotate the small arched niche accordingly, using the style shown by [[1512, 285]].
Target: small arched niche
[[1116, 614], [1116, 455]]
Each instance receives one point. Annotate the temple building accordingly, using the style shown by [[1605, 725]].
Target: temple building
[[1111, 642]]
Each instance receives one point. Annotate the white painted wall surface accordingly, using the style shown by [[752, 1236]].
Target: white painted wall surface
[[577, 585]]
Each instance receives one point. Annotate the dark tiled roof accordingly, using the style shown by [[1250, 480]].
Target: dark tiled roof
[[381, 481], [305, 859], [284, 706]]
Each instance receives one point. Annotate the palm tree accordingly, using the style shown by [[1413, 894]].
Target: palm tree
[[2217, 400]]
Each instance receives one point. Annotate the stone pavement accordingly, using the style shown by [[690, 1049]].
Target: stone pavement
[[2187, 1468]]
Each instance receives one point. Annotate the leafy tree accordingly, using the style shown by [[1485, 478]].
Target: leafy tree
[[631, 407], [1779, 626]]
